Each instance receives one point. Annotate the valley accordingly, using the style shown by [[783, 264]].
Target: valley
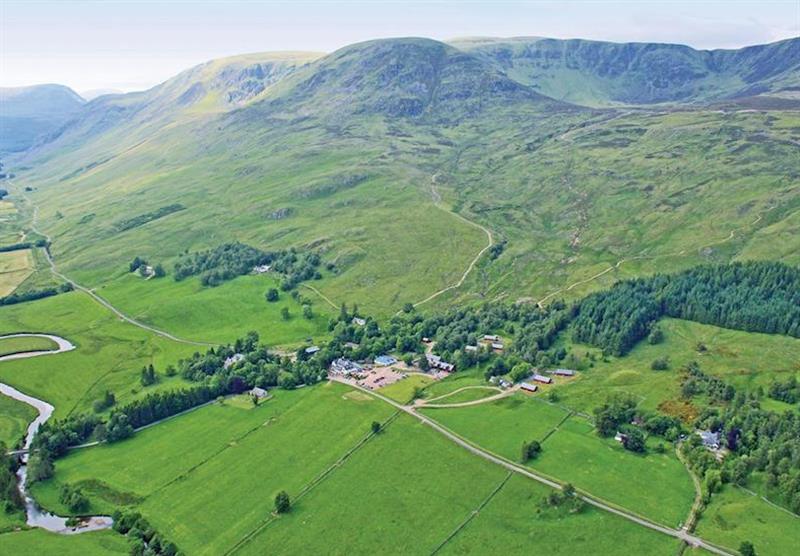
[[583, 288]]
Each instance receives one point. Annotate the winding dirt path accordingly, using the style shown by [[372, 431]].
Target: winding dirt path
[[420, 404]]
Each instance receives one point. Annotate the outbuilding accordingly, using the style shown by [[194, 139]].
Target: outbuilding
[[542, 379], [528, 387]]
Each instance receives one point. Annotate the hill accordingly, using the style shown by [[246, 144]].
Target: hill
[[28, 112], [596, 73]]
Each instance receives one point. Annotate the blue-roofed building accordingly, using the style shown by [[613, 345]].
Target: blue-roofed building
[[385, 360]]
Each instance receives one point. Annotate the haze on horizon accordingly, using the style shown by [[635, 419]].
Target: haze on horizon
[[135, 45]]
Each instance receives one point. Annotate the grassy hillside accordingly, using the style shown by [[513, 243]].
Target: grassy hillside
[[28, 113]]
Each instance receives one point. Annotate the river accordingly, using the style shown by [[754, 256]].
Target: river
[[36, 516]]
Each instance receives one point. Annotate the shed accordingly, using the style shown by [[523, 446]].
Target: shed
[[528, 387], [259, 392], [385, 360], [541, 378]]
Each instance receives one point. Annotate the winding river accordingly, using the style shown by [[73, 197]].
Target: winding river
[[36, 516]]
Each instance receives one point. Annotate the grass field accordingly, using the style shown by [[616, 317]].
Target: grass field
[[35, 542], [15, 267], [469, 377], [14, 419], [25, 344], [403, 390], [109, 353], [735, 516], [744, 359], [206, 495], [220, 314], [514, 523], [655, 486], [468, 395]]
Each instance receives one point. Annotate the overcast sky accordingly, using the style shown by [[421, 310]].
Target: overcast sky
[[134, 45]]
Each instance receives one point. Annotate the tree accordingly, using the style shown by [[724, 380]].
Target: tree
[[307, 312], [136, 263], [285, 313], [660, 364], [159, 271], [408, 308], [376, 427], [530, 450], [272, 295], [148, 377], [634, 439], [282, 502], [40, 467], [746, 548], [656, 336]]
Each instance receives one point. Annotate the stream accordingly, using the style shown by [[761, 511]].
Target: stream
[[36, 516]]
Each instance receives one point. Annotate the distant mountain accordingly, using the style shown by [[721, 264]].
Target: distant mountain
[[92, 94], [28, 112], [596, 73]]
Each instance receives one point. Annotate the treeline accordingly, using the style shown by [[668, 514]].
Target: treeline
[[32, 295], [23, 245], [146, 540], [142, 219], [229, 260], [10, 497], [752, 296]]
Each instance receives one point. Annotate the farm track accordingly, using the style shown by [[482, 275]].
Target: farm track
[[680, 534], [54, 270], [503, 394]]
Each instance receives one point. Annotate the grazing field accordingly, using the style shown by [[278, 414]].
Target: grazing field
[[403, 390], [745, 359], [25, 344], [220, 314], [36, 542], [468, 394], [401, 494], [735, 516], [205, 496], [14, 419], [503, 425], [109, 353], [656, 486], [15, 267], [460, 379], [514, 522]]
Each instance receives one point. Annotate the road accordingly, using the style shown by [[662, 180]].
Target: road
[[680, 534], [95, 296]]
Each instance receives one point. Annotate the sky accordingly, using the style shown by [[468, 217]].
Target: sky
[[134, 45]]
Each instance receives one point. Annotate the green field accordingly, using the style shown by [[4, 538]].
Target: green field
[[403, 390], [35, 542], [514, 523], [469, 394], [735, 516], [109, 353], [745, 359], [205, 496], [25, 344], [221, 314], [15, 267], [655, 486], [14, 419]]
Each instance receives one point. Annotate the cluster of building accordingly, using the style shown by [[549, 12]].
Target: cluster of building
[[436, 362], [232, 360], [345, 367], [493, 341]]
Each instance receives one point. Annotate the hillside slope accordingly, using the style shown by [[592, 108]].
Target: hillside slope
[[28, 112], [596, 73]]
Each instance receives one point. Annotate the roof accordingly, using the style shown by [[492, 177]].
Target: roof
[[312, 349], [709, 438], [385, 360], [359, 321], [470, 348], [542, 378], [497, 345], [258, 392], [529, 386], [563, 372]]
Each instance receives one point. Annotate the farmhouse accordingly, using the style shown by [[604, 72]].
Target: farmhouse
[[497, 346], [261, 269], [385, 360], [311, 350], [471, 348], [358, 321], [258, 392], [491, 338], [345, 367], [351, 345], [528, 387], [426, 340], [710, 439], [541, 378], [563, 372], [232, 360]]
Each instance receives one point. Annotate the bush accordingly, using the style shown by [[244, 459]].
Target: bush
[[272, 295], [282, 502], [660, 364]]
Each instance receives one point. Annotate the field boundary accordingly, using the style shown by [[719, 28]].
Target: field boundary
[[474, 513]]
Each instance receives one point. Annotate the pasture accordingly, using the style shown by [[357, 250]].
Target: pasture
[[514, 522], [735, 516], [205, 496], [468, 394], [109, 353], [25, 344], [15, 267], [14, 419], [403, 390], [35, 542]]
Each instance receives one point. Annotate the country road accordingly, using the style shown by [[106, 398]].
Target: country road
[[94, 295], [680, 534]]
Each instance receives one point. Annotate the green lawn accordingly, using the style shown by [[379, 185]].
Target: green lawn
[[207, 495], [403, 390], [220, 314], [468, 395], [514, 523], [735, 516], [656, 486], [501, 426], [109, 353], [36, 542], [25, 344], [14, 419]]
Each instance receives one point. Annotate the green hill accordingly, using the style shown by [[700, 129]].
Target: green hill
[[27, 113]]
